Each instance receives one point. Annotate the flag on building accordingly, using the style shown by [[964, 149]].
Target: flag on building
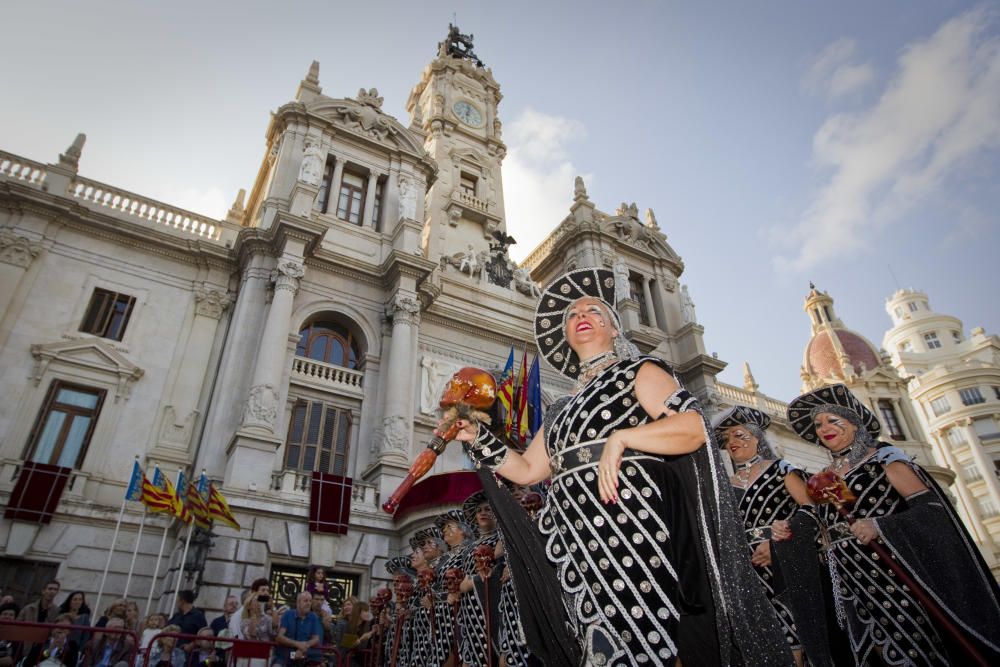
[[534, 399], [180, 509], [134, 490], [196, 502], [155, 494], [518, 426], [218, 508], [505, 385]]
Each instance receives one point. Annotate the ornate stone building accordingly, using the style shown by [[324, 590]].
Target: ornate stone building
[[294, 350], [954, 382]]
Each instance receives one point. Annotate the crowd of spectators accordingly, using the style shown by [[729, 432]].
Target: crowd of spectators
[[304, 633]]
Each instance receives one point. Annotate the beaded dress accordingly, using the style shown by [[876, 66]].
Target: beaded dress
[[616, 561], [444, 618], [763, 502], [422, 648], [471, 614], [512, 643]]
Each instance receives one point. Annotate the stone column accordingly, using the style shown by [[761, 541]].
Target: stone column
[[370, 200], [338, 176], [16, 255], [397, 419], [260, 412], [985, 464], [904, 426], [979, 531], [648, 296]]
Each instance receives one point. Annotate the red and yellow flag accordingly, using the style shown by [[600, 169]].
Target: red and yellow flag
[[218, 508], [196, 503], [517, 425]]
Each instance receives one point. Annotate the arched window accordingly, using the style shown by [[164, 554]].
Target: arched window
[[330, 342]]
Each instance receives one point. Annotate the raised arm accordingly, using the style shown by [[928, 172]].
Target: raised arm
[[486, 449]]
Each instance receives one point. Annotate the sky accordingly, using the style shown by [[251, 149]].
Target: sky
[[852, 144]]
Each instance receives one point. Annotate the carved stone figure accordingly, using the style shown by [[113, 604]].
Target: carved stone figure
[[210, 302], [17, 250], [71, 158], [311, 170], [407, 198], [458, 45], [687, 306], [395, 434], [469, 261], [524, 284], [622, 290], [371, 97], [579, 189], [434, 375], [261, 406]]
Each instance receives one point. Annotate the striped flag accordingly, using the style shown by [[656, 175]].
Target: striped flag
[[181, 510], [135, 483], [155, 495], [196, 494], [505, 387], [218, 508], [519, 423]]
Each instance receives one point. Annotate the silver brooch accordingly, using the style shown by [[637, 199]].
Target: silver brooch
[[583, 454]]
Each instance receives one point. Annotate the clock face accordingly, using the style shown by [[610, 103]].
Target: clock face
[[468, 114]]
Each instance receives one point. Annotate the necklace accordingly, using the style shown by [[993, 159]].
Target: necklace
[[847, 458], [743, 470], [590, 368]]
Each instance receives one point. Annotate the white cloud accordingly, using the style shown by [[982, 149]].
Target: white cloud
[[834, 74], [538, 176], [941, 108]]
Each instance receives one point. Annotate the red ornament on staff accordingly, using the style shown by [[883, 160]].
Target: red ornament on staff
[[468, 394]]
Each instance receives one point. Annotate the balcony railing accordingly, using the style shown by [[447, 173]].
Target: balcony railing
[[472, 202], [21, 169], [364, 496], [327, 376], [740, 396]]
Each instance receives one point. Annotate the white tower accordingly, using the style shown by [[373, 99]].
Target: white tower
[[955, 381]]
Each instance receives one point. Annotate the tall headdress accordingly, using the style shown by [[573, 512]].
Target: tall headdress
[[752, 418], [836, 399]]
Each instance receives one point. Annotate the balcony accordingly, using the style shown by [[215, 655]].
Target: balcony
[[364, 496], [327, 377]]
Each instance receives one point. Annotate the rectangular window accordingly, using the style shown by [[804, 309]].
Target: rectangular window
[[955, 437], [890, 419], [467, 183], [971, 396], [996, 392], [323, 198], [986, 428], [352, 198], [108, 314], [899, 312], [377, 205], [988, 507], [940, 406], [63, 428], [971, 473], [912, 306], [956, 336], [932, 340], [318, 438], [635, 292]]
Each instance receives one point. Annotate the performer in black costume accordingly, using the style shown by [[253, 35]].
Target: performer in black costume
[[472, 610], [457, 535], [399, 565], [769, 491], [639, 521], [902, 507], [422, 649]]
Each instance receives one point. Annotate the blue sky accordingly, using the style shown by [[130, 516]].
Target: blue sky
[[777, 142]]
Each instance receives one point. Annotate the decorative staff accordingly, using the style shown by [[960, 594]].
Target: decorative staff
[[426, 580], [403, 588], [453, 577], [828, 487], [482, 556], [468, 394]]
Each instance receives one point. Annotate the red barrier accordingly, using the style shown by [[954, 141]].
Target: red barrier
[[252, 649], [25, 635]]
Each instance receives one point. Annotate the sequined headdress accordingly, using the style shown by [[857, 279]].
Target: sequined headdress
[[399, 565], [837, 399], [471, 507], [550, 333], [754, 420], [458, 517], [424, 534]]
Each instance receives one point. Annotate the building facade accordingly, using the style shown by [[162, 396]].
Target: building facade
[[954, 383], [294, 349]]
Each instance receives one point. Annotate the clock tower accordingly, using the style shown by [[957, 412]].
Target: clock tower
[[454, 107]]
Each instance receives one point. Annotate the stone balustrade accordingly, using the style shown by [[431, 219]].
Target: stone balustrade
[[21, 169], [137, 207], [326, 376], [740, 396], [472, 202], [364, 496]]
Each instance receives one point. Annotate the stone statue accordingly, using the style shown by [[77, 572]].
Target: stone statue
[[622, 289], [407, 198], [370, 97], [311, 171], [434, 374], [579, 189], [469, 262], [687, 306], [524, 284]]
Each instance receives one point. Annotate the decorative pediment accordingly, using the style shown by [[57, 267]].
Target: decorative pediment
[[94, 354], [625, 225], [364, 117]]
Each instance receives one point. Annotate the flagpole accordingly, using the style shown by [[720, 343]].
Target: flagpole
[[111, 552], [135, 552], [156, 568], [180, 567]]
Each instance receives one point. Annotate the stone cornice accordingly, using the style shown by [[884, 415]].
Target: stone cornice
[[64, 211], [400, 264]]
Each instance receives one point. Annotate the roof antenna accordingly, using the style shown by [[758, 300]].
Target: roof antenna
[[894, 278], [454, 18]]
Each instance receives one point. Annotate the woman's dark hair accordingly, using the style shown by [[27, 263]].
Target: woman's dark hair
[[9, 605], [354, 622], [64, 608]]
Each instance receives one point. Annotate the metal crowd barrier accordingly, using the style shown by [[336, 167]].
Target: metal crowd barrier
[[24, 635]]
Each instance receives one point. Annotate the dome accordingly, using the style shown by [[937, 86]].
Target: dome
[[821, 358]]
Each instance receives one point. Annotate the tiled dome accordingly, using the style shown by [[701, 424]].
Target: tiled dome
[[821, 355]]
